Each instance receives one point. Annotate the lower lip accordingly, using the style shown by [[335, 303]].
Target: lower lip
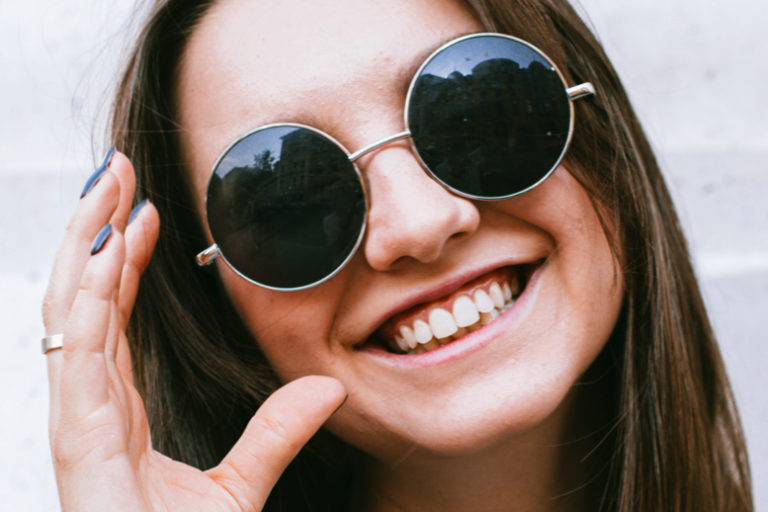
[[468, 344]]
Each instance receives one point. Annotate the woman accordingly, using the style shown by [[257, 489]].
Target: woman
[[592, 381]]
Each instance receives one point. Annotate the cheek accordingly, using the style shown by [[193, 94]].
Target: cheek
[[292, 328], [562, 208], [589, 280], [590, 272]]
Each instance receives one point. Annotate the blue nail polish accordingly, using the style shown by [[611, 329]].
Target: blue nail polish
[[101, 239], [98, 173], [136, 210]]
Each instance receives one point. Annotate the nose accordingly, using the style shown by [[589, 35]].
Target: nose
[[411, 216]]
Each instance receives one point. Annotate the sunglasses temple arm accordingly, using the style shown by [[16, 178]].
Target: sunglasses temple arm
[[581, 90], [207, 256], [376, 145]]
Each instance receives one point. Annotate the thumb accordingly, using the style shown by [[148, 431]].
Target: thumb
[[274, 436]]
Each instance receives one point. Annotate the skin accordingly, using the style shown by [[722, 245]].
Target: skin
[[493, 430], [102, 452], [512, 393]]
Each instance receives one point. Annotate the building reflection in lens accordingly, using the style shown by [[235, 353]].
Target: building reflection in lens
[[291, 215], [498, 127]]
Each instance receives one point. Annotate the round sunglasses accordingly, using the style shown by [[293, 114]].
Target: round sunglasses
[[488, 115]]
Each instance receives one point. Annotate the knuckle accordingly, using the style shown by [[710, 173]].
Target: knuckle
[[71, 227], [75, 232], [87, 283], [75, 443], [278, 431], [96, 282], [233, 485], [51, 311], [62, 455], [46, 310]]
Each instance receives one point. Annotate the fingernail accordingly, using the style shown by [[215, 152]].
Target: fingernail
[[101, 239], [98, 173], [136, 210], [341, 404]]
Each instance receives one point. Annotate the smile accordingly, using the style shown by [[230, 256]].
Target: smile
[[429, 326]]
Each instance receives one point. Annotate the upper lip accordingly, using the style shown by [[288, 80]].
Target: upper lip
[[441, 289]]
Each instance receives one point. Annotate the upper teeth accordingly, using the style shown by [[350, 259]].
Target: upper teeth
[[466, 312], [442, 323]]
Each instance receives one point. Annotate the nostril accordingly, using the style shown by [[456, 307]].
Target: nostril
[[419, 234], [400, 261], [456, 237]]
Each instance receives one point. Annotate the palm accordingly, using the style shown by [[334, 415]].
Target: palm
[[100, 436], [120, 431]]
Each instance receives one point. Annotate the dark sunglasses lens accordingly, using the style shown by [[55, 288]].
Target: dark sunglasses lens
[[489, 116], [286, 207]]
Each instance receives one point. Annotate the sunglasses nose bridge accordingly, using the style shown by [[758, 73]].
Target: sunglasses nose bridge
[[411, 217], [378, 144]]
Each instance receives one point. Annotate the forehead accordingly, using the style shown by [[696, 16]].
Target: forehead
[[319, 62]]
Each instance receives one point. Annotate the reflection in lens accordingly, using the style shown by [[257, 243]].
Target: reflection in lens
[[285, 206], [489, 116]]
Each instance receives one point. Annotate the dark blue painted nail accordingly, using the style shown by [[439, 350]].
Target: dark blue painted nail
[[136, 210], [94, 178], [101, 239]]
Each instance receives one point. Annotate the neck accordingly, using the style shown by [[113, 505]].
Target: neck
[[550, 468]]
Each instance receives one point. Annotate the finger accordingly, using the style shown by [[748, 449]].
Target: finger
[[91, 214], [273, 437], [107, 199], [140, 238], [122, 168], [84, 381]]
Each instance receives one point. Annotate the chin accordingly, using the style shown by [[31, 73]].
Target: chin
[[504, 384], [499, 408]]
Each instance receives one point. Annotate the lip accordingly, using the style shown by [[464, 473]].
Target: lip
[[444, 289], [470, 343]]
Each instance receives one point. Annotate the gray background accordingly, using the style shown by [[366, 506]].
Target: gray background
[[696, 70]]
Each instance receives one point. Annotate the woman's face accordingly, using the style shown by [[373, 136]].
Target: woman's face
[[345, 71]]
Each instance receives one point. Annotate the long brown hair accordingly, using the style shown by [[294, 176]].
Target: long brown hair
[[675, 443]]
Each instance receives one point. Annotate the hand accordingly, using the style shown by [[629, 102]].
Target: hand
[[100, 441]]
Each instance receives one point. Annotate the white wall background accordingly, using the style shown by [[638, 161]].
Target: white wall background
[[696, 70]]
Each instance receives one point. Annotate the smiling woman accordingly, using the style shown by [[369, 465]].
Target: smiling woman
[[493, 276]]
